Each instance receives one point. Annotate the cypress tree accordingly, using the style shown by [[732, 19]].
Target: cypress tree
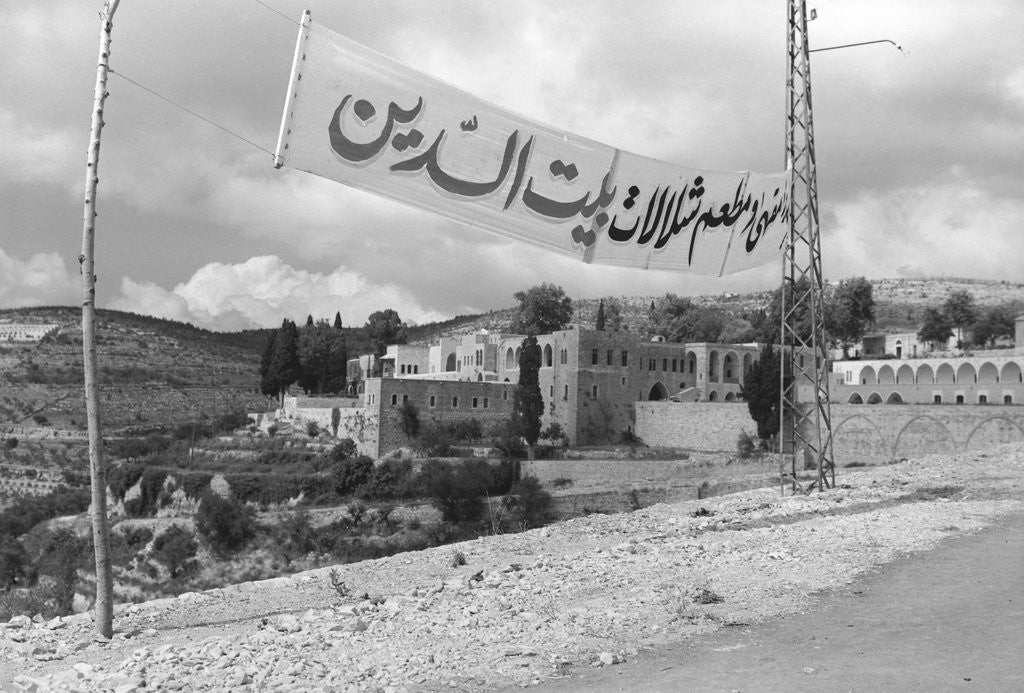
[[527, 402], [337, 320], [600, 316], [268, 378], [285, 363]]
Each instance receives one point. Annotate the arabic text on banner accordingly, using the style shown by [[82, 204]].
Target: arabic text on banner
[[364, 120]]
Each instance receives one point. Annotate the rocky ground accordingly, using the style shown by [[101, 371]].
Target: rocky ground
[[589, 592]]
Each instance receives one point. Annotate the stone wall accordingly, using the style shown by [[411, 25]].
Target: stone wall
[[703, 426], [437, 402], [880, 433], [861, 432]]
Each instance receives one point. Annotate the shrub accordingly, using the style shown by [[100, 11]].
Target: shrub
[[561, 482], [122, 477], [152, 482], [312, 429], [457, 492], [345, 449], [745, 446], [272, 430], [554, 433], [40, 419], [176, 550], [389, 480], [435, 441], [61, 551], [350, 473], [25, 513], [409, 419], [506, 440], [226, 525], [299, 536], [532, 505], [13, 562]]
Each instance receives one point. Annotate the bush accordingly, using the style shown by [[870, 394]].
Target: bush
[[532, 507], [390, 480], [745, 446], [122, 477], [61, 551], [312, 429], [345, 449], [554, 433], [350, 473], [409, 419], [226, 525], [457, 492], [176, 550], [13, 562], [435, 441], [25, 513], [150, 487], [508, 441]]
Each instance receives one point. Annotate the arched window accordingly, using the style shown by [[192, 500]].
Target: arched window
[[548, 356], [449, 364]]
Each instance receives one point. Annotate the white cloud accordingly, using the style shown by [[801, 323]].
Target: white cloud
[[262, 291], [33, 154], [949, 226], [43, 279]]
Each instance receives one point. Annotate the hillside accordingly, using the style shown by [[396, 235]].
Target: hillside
[[160, 372], [900, 305], [152, 372]]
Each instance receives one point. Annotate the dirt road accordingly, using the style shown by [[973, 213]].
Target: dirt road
[[944, 620]]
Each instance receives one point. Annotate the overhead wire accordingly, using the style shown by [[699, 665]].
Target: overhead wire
[[190, 111]]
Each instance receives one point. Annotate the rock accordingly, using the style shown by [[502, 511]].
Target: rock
[[19, 622], [287, 623], [84, 670], [610, 658], [55, 623], [30, 684]]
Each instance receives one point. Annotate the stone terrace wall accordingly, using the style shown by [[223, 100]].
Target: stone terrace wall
[[703, 426], [861, 432], [885, 432]]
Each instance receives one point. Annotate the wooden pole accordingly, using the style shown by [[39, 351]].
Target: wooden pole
[[104, 615]]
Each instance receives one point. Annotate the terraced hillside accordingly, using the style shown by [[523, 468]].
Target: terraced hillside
[[152, 372]]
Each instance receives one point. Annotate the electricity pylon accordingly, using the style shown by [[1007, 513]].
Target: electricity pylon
[[806, 421]]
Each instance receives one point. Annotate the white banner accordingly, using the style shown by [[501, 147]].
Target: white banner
[[359, 118]]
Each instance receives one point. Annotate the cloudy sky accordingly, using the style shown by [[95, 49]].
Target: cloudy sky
[[920, 156]]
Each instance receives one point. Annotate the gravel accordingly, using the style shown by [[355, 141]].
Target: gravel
[[593, 591]]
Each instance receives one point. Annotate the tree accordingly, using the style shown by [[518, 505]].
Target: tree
[[936, 329], [176, 550], [323, 358], [599, 322], [996, 322], [961, 312], [613, 315], [761, 389], [285, 368], [384, 327], [851, 311], [225, 524], [337, 320], [542, 309], [527, 402], [268, 379], [679, 319], [771, 325]]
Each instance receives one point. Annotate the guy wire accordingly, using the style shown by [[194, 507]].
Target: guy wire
[[277, 12], [191, 112]]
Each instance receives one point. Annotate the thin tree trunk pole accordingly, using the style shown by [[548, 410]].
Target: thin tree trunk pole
[[104, 606]]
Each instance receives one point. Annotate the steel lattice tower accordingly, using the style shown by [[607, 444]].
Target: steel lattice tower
[[805, 415]]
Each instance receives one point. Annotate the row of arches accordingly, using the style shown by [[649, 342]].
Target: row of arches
[[860, 436], [988, 373], [897, 398], [659, 392]]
